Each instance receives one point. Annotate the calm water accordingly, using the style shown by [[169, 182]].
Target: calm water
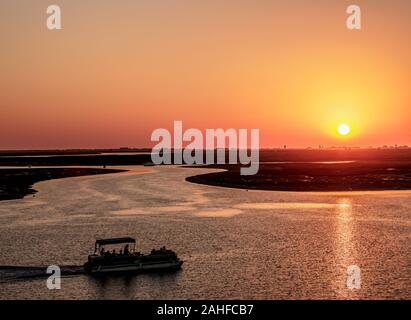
[[235, 244]]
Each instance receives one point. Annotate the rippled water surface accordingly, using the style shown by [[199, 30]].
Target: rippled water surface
[[236, 244]]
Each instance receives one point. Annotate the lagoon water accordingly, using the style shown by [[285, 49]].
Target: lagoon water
[[236, 244]]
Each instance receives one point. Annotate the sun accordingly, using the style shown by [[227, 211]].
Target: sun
[[344, 129]]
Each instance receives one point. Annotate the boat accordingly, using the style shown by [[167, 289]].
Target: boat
[[127, 259]]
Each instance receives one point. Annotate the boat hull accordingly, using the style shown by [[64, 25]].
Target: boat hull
[[133, 267]]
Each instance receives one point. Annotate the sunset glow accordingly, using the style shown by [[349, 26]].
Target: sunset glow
[[115, 73]]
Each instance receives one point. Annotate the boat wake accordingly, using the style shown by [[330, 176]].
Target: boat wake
[[14, 273]]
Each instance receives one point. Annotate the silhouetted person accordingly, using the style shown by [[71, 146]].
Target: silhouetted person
[[126, 251], [102, 252]]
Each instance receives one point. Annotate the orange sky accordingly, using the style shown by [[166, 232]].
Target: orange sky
[[120, 69]]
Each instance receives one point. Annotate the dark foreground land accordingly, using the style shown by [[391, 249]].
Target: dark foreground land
[[17, 183], [319, 171]]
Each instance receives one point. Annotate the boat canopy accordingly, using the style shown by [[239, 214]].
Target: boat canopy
[[102, 242]]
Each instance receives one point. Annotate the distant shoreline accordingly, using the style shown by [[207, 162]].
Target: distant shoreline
[[18, 183], [280, 170]]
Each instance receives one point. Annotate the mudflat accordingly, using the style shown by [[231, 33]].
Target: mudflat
[[312, 171]]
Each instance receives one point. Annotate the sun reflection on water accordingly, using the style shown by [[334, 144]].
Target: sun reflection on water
[[346, 254]]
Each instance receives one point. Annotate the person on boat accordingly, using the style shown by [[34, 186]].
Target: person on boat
[[126, 251], [114, 252], [102, 252], [121, 252]]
